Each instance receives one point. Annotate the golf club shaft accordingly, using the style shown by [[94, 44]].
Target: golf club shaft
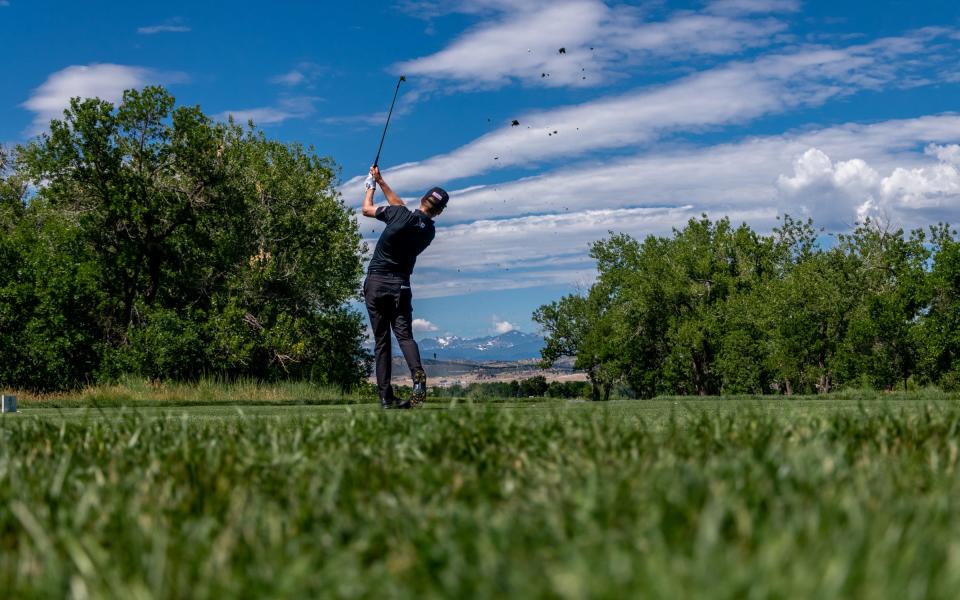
[[376, 161]]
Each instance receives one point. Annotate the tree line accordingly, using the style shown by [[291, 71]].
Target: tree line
[[148, 239], [718, 309]]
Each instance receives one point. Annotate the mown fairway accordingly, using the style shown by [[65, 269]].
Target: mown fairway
[[846, 497]]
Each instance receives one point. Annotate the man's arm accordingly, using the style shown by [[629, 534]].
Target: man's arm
[[369, 208], [392, 197]]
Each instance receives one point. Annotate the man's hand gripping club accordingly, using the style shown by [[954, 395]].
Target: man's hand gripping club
[[373, 180]]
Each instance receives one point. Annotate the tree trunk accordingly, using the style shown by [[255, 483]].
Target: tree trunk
[[823, 381], [698, 376], [594, 386]]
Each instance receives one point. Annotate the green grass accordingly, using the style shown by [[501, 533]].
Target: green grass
[[849, 496], [210, 392]]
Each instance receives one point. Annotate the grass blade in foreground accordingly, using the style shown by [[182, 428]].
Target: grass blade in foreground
[[662, 499]]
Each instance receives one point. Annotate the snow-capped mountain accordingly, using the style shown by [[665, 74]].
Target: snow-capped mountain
[[515, 345]]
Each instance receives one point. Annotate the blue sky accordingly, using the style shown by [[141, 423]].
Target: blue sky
[[662, 110]]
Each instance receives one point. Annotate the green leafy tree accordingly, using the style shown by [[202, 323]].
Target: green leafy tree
[[938, 332], [534, 386], [810, 311], [717, 309], [577, 326], [880, 348], [192, 247]]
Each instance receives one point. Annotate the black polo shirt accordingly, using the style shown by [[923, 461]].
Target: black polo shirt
[[408, 233]]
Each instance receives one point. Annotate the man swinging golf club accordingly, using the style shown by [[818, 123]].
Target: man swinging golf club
[[386, 290]]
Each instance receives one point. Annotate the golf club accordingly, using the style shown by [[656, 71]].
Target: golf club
[[376, 161]]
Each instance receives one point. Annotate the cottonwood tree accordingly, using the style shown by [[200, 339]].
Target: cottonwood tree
[[714, 308], [206, 248]]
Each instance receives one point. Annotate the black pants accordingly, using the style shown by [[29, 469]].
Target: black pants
[[390, 304]]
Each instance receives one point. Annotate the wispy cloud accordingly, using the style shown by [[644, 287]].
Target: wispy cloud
[[305, 73], [175, 25], [405, 105], [294, 77], [103, 80], [746, 7], [297, 107], [734, 93], [711, 178], [523, 41]]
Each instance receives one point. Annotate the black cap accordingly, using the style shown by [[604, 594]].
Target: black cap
[[437, 197]]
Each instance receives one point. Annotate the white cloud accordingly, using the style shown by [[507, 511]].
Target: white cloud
[[287, 108], [838, 193], [175, 25], [735, 175], [502, 327], [290, 78], [4, 2], [744, 7], [100, 80], [423, 325], [734, 93], [405, 104], [523, 41], [934, 186], [700, 34], [946, 154], [152, 29], [430, 9], [523, 44], [303, 73], [263, 115]]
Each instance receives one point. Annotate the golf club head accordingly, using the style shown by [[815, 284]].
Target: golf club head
[[403, 78]]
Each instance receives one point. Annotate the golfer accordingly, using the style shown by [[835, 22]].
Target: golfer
[[387, 288]]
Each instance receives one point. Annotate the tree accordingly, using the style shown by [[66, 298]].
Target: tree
[[717, 309], [578, 326], [534, 386], [880, 348], [196, 247], [809, 316], [938, 332]]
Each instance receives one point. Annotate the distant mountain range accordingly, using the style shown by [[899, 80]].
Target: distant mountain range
[[515, 345]]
